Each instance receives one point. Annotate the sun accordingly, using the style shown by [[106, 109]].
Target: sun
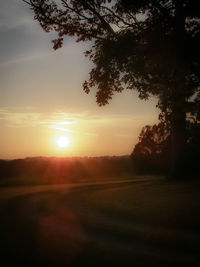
[[63, 141]]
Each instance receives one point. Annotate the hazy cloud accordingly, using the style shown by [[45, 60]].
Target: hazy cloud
[[29, 118], [76, 123], [60, 121]]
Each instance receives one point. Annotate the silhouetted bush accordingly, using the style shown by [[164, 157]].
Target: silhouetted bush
[[152, 154]]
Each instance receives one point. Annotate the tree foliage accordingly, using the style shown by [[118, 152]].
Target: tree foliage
[[152, 152], [153, 140], [148, 45]]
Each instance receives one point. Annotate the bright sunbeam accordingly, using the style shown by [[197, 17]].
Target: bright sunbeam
[[63, 141]]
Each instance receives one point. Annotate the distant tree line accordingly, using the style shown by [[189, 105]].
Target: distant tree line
[[44, 170]]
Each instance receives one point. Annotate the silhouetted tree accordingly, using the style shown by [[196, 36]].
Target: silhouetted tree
[[148, 45], [153, 140], [151, 153]]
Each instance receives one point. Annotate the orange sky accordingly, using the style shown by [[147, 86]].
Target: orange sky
[[41, 97]]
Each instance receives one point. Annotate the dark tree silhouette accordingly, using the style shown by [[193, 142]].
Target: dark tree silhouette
[[153, 140], [151, 46], [151, 153]]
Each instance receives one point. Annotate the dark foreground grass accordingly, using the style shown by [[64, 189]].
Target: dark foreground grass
[[144, 223]]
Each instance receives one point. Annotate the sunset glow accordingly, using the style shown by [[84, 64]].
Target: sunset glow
[[63, 141]]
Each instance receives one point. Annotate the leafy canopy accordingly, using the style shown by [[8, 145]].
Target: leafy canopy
[[148, 45]]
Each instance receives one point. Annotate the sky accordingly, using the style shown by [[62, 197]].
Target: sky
[[41, 96]]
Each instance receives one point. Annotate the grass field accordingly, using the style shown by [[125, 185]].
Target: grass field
[[146, 222]]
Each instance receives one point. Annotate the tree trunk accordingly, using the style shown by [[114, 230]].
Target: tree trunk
[[178, 144]]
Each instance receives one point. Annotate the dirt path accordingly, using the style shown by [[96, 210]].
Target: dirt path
[[10, 192]]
